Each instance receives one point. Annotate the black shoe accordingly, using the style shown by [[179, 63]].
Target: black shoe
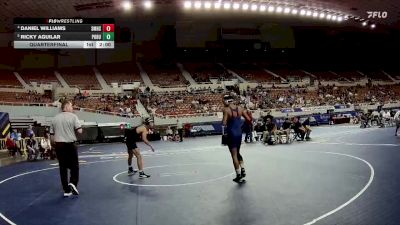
[[243, 173], [238, 178], [74, 190], [143, 175], [132, 171]]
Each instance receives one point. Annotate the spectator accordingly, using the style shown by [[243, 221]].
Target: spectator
[[12, 146], [307, 128], [270, 131], [33, 148], [46, 148], [298, 128], [179, 126]]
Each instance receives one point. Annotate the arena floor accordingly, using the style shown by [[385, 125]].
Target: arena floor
[[345, 175]]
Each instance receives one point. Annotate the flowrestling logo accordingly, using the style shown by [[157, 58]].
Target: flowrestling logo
[[377, 14]]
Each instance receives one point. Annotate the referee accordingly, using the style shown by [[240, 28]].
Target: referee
[[63, 127]]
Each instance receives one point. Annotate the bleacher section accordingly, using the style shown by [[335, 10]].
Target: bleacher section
[[184, 103], [164, 75], [8, 79], [325, 75], [376, 75], [41, 76], [108, 104], [289, 74], [120, 73], [352, 75], [253, 73], [26, 97], [82, 77], [202, 72]]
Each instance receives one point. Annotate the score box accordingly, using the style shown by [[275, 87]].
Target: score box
[[108, 36], [108, 27]]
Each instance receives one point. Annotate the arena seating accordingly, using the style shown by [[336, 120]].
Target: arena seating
[[202, 72], [38, 75], [112, 104], [289, 74], [82, 77], [165, 74], [23, 97], [120, 73], [348, 74], [376, 75], [325, 75], [253, 73], [8, 79], [183, 103]]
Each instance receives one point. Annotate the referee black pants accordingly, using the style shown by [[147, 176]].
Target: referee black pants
[[67, 155]]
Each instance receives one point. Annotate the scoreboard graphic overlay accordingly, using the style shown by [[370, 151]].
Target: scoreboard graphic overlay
[[46, 33]]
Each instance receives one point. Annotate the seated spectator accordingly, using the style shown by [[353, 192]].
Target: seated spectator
[[298, 128], [12, 146], [259, 129], [285, 129], [270, 131], [33, 148], [46, 148]]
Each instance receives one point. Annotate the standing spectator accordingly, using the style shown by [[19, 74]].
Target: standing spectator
[[29, 131], [248, 127], [306, 125], [179, 126], [64, 126], [397, 120]]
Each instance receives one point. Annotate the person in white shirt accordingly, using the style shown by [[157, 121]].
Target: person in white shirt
[[45, 145], [397, 119]]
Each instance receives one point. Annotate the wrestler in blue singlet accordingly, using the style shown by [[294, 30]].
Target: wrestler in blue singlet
[[234, 130]]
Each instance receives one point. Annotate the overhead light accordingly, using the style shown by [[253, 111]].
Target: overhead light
[[254, 7], [187, 4], [340, 19], [287, 10], [364, 23], [127, 5], [329, 17], [263, 8], [373, 26], [236, 5], [334, 17], [245, 6], [309, 13], [302, 12], [315, 14], [207, 5], [227, 5], [148, 4], [197, 5], [217, 5], [279, 9], [295, 11], [271, 8], [322, 15]]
